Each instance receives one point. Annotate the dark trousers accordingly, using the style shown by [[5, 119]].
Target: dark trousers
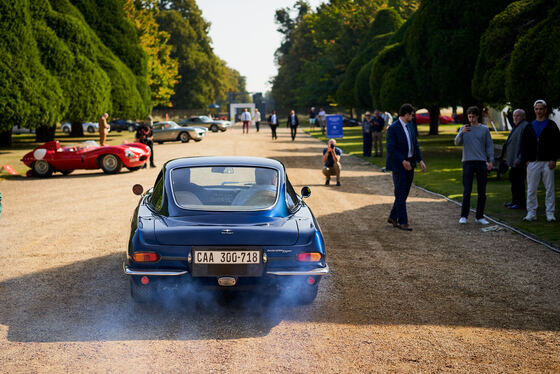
[[470, 169], [257, 125], [367, 143], [293, 130], [273, 129], [517, 178], [402, 180]]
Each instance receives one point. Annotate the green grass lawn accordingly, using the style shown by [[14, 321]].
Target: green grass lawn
[[444, 176]]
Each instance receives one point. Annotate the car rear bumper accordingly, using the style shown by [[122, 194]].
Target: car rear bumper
[[320, 271]]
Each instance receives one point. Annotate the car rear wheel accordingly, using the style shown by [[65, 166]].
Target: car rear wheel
[[90, 129], [184, 137], [66, 129], [110, 164], [214, 128], [131, 128], [42, 169]]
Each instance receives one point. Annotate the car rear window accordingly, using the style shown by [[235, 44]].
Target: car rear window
[[225, 188]]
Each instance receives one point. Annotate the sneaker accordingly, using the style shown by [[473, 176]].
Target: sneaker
[[463, 220], [152, 165], [550, 218], [514, 206], [338, 183], [327, 182], [530, 217], [482, 221]]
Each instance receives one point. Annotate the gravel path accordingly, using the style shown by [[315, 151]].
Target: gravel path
[[442, 298]]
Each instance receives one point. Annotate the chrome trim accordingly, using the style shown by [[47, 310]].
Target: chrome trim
[[130, 271], [317, 271]]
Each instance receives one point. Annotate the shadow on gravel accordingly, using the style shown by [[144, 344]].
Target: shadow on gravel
[[90, 300]]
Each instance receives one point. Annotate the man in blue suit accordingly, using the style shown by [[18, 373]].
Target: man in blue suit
[[402, 155]]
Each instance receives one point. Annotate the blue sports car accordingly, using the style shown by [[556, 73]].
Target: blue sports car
[[224, 222]]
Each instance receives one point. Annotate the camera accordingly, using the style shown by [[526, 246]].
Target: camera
[[332, 145]]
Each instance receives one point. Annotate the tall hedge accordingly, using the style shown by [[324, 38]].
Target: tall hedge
[[497, 44], [534, 70]]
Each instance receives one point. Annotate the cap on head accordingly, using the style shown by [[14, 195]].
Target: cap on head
[[368, 114], [540, 101]]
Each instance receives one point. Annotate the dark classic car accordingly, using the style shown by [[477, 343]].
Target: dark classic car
[[207, 122], [119, 125], [231, 223]]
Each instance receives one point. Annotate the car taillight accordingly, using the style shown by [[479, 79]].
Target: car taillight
[[309, 257], [146, 257]]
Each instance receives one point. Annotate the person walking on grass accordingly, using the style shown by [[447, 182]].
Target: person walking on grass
[[540, 148], [478, 159]]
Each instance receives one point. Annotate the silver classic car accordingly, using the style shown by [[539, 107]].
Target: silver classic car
[[167, 131], [207, 122]]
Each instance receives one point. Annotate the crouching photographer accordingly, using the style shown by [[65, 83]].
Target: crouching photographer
[[331, 162]]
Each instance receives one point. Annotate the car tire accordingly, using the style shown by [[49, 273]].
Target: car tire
[[110, 163], [140, 293], [90, 129], [214, 128], [42, 169], [119, 130], [133, 168], [131, 128], [66, 129], [184, 137]]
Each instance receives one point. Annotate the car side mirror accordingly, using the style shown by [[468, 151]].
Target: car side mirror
[[305, 192], [137, 189]]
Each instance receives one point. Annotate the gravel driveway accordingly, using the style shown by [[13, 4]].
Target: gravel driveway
[[442, 298]]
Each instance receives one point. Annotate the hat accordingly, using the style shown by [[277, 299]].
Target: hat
[[367, 114], [540, 101]]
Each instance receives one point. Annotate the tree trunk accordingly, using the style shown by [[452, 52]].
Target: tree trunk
[[434, 120], [6, 138], [77, 129], [44, 134]]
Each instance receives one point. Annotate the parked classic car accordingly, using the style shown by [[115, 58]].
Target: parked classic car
[[166, 131], [51, 157], [119, 125], [422, 118], [231, 223], [17, 130], [207, 122], [90, 127]]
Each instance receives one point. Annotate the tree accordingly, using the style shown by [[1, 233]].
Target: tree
[[534, 71], [30, 96], [440, 33], [162, 70], [386, 22]]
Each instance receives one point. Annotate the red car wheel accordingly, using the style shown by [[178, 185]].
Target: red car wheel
[[42, 168], [110, 164]]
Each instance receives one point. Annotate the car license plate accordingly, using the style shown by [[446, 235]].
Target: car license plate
[[227, 257]]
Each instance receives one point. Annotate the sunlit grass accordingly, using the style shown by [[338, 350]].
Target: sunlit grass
[[444, 176]]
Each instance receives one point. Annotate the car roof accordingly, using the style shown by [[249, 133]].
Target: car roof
[[224, 160]]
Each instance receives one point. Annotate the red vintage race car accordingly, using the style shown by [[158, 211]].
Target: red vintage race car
[[51, 157]]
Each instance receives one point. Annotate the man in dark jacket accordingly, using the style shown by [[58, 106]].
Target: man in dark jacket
[[518, 170], [540, 150], [293, 123], [402, 155]]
